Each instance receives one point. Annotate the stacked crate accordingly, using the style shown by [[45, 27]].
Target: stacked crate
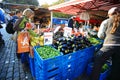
[[63, 67], [47, 69]]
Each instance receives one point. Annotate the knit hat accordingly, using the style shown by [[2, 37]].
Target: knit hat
[[112, 10]]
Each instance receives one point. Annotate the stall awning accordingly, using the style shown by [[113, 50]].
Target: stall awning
[[77, 6], [70, 7]]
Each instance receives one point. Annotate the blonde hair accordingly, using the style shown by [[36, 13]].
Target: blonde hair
[[28, 12], [116, 20]]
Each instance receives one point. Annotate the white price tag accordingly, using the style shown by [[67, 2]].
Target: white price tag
[[48, 38], [67, 31]]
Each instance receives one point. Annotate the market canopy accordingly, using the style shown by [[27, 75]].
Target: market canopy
[[96, 7]]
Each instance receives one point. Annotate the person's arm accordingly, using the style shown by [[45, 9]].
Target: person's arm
[[101, 33]]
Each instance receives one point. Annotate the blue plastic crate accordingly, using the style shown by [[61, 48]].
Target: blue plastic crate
[[69, 76], [69, 62], [76, 63], [80, 54], [47, 75], [79, 68], [69, 57], [31, 65], [68, 71], [89, 52], [98, 46], [89, 68], [73, 56], [47, 69], [103, 75]]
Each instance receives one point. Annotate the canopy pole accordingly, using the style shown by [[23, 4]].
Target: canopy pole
[[51, 18]]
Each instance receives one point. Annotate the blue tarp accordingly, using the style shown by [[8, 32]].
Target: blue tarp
[[60, 21], [2, 16]]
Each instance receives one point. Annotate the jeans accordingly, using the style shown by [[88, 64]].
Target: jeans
[[100, 58]]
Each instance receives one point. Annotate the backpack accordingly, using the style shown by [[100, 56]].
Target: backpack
[[1, 26], [9, 27], [20, 24]]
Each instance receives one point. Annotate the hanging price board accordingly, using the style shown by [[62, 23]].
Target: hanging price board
[[67, 31], [48, 38]]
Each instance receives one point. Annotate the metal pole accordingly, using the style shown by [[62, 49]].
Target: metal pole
[[51, 18]]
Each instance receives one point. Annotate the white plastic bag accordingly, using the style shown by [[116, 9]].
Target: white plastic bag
[[14, 37]]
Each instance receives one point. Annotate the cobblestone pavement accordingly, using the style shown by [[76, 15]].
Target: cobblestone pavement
[[11, 67]]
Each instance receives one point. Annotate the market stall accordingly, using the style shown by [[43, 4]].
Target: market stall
[[63, 56], [57, 57]]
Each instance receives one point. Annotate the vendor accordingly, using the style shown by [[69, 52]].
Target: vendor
[[111, 46], [71, 22]]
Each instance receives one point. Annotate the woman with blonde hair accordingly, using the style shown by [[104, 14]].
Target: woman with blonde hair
[[21, 24], [111, 47], [28, 14]]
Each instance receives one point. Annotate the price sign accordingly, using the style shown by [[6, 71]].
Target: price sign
[[67, 31], [48, 38]]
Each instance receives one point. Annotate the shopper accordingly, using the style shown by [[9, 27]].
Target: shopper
[[111, 46], [20, 24], [10, 24], [71, 22], [17, 15], [2, 20], [2, 16]]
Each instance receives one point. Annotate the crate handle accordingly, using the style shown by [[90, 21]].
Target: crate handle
[[69, 65], [53, 69], [70, 57], [52, 77]]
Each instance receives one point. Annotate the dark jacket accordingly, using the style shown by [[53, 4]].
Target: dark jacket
[[70, 23]]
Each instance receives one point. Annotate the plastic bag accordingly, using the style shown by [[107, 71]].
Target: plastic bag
[[23, 42], [14, 37]]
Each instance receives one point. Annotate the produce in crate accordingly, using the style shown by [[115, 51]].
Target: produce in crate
[[94, 40], [47, 52], [71, 44], [104, 67]]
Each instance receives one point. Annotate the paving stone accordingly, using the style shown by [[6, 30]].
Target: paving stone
[[16, 65], [6, 65], [3, 75], [9, 79], [11, 64], [4, 70], [10, 69], [16, 74], [22, 76], [9, 75], [16, 78], [2, 78], [16, 69]]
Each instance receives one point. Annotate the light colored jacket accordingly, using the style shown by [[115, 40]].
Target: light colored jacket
[[103, 27], [104, 33]]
